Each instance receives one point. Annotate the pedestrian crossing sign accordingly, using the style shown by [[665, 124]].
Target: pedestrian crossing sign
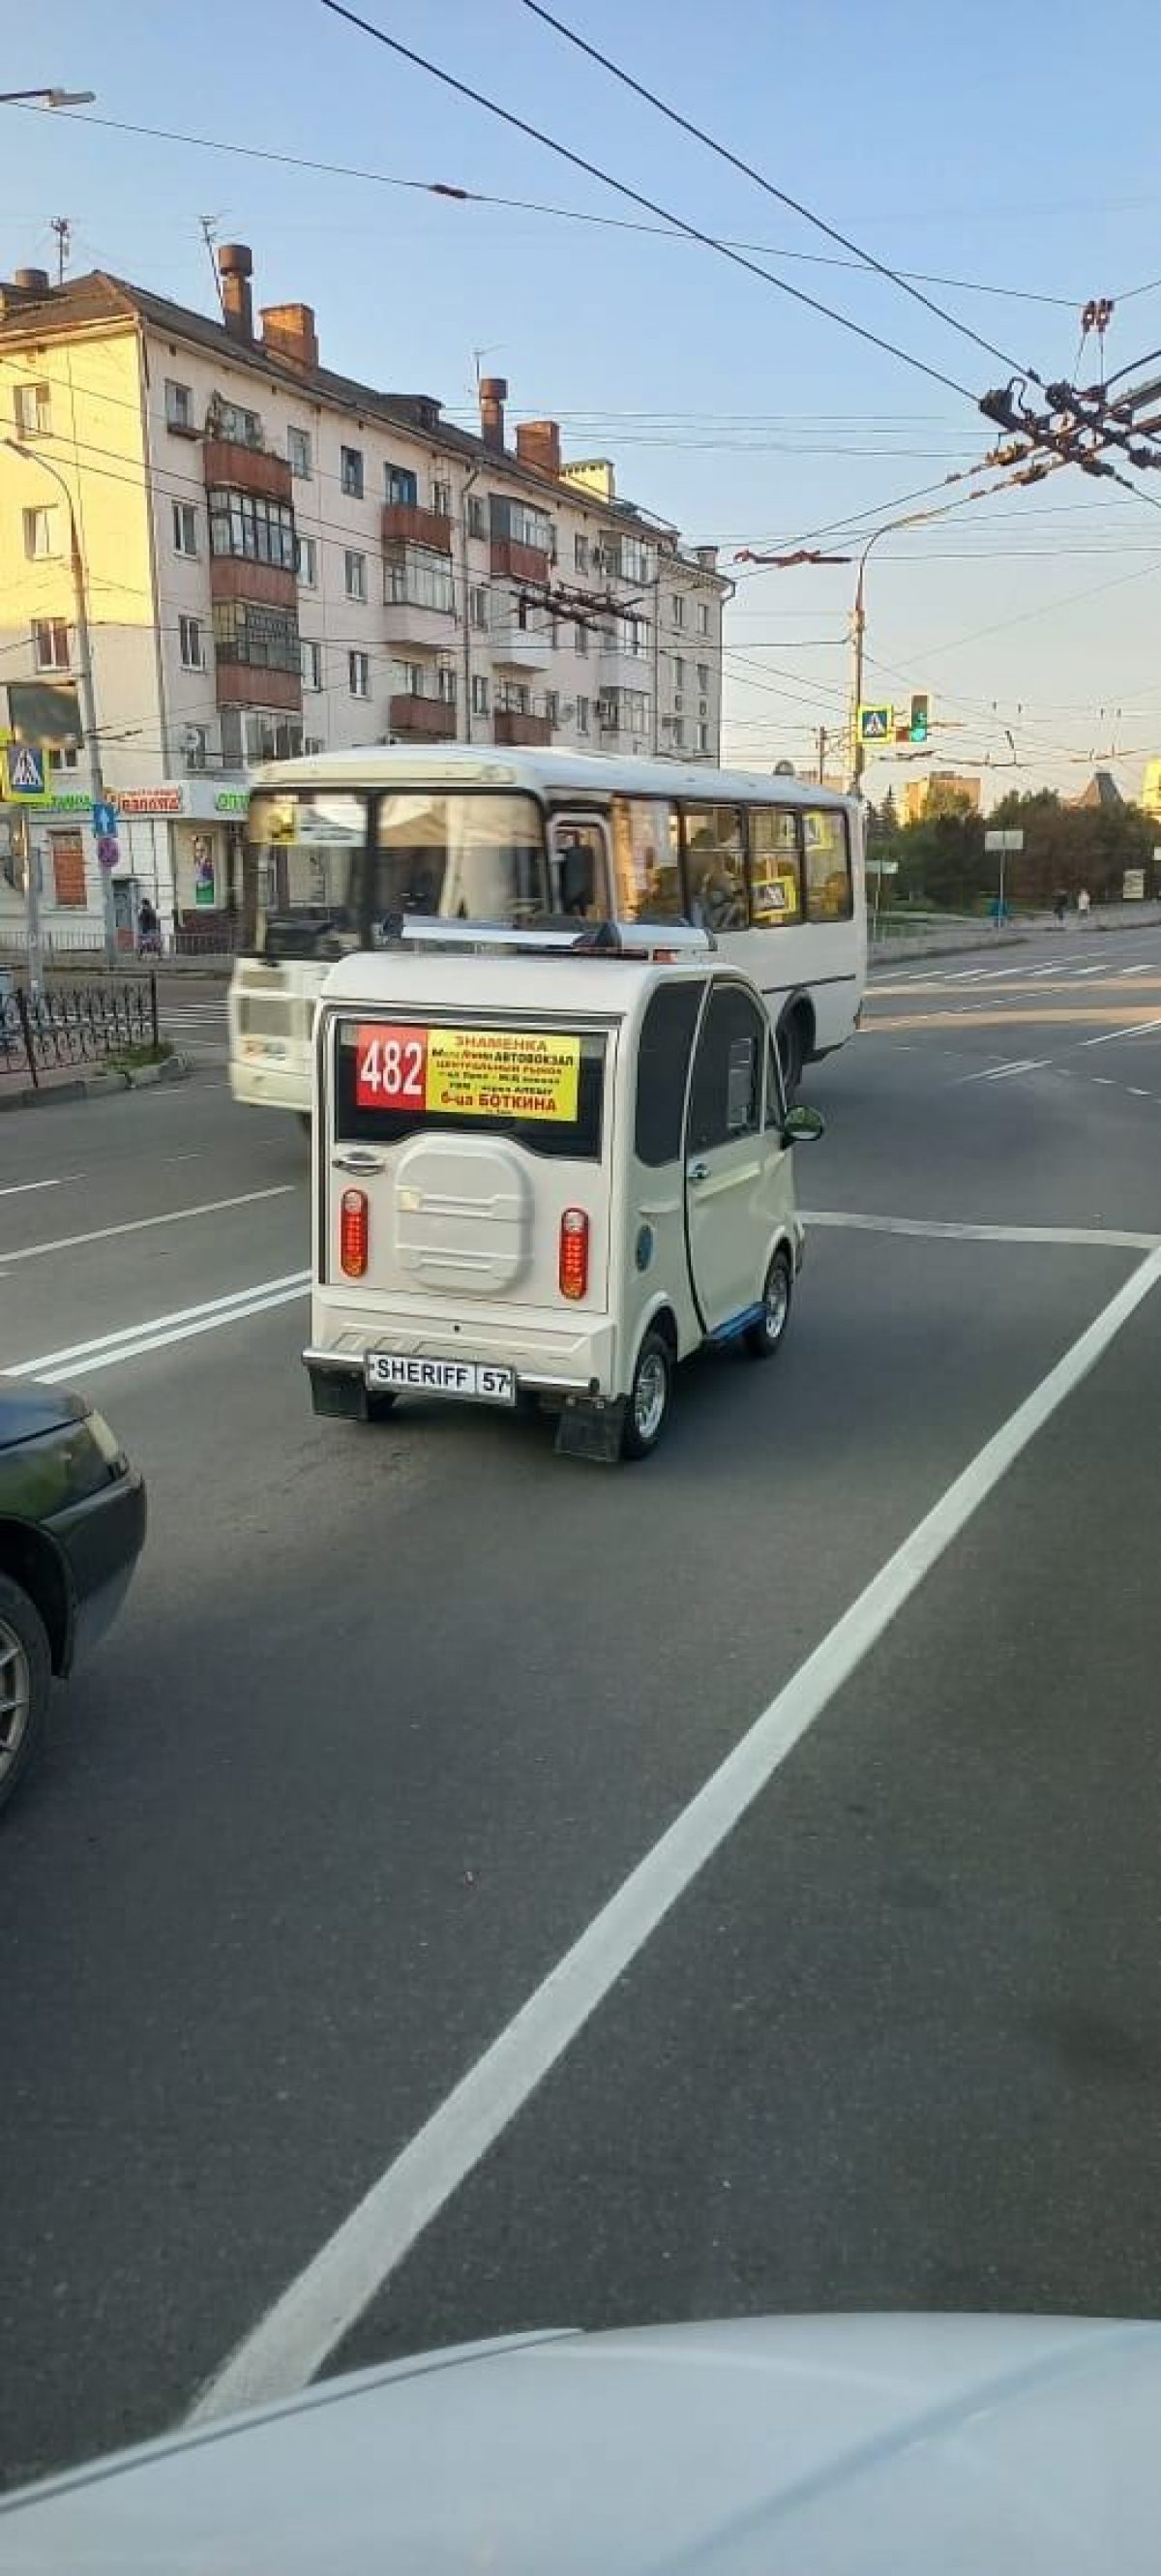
[[24, 773], [876, 724]]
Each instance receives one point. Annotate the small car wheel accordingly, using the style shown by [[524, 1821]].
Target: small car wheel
[[764, 1337], [647, 1410], [25, 1683]]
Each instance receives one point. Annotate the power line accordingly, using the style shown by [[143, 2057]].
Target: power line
[[592, 170], [533, 205], [779, 194]]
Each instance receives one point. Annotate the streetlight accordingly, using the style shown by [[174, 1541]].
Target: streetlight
[[84, 677], [47, 97]]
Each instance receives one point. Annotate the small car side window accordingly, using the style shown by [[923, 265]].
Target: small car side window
[[727, 1077], [663, 1053]]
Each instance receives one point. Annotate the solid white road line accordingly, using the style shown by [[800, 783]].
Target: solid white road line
[[16, 1189], [1106, 1236], [139, 1224], [293, 2339], [1002, 1072], [110, 1349], [1109, 1037]]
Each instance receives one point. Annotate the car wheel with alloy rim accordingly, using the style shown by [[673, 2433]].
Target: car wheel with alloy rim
[[763, 1337], [647, 1410], [25, 1682]]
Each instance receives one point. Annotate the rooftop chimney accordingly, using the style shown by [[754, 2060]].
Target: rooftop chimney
[[538, 445], [288, 333], [32, 281], [236, 268], [493, 396]]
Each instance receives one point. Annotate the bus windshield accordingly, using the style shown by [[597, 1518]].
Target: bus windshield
[[330, 870]]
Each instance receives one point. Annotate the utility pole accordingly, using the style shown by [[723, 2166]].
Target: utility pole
[[31, 865], [85, 696], [821, 754], [471, 477], [64, 234]]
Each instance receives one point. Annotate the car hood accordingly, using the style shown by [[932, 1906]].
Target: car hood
[[823, 2444], [28, 1409]]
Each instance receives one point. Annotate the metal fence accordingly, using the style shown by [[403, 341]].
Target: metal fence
[[75, 1024]]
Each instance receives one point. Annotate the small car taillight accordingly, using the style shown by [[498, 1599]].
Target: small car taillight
[[353, 1233], [574, 1253]]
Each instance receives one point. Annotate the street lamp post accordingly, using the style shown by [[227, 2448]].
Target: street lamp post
[[858, 635], [84, 678], [47, 97]]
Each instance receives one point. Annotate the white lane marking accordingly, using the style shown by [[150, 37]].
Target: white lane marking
[[110, 1349], [1135, 1093], [1089, 970], [16, 1189], [1109, 1037], [1137, 970], [1003, 1072], [1105, 1080], [138, 1224], [940, 1229], [293, 2339]]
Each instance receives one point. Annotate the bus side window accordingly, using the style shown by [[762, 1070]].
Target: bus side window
[[775, 872], [715, 867], [646, 866], [580, 870], [829, 892]]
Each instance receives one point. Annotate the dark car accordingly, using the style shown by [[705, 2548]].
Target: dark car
[[72, 1522]]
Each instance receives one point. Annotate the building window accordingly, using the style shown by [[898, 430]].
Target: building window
[[65, 757], [703, 677], [441, 497], [179, 409], [32, 405], [580, 554], [260, 736], [552, 706], [679, 733], [230, 420], [356, 575], [185, 528], [513, 698], [679, 671], [351, 472], [582, 638], [418, 577], [298, 454], [521, 525], [50, 643], [629, 559], [703, 740], [41, 533], [306, 561], [196, 747], [677, 608], [245, 524], [359, 674], [702, 617], [311, 663], [477, 516], [257, 637], [478, 605], [479, 695], [401, 487], [582, 715], [191, 637]]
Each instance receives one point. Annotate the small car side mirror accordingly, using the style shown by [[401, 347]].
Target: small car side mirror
[[803, 1126]]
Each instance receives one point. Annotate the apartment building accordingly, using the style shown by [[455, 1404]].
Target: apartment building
[[280, 558]]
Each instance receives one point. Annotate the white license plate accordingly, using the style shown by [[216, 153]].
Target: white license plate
[[476, 1379]]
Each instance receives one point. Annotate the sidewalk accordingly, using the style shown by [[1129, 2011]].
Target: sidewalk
[[75, 1082]]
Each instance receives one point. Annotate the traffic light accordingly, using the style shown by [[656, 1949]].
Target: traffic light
[[920, 712]]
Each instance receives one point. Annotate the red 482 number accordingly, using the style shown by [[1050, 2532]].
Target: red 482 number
[[390, 1067]]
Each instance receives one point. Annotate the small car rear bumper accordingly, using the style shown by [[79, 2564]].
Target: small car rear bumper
[[549, 1356]]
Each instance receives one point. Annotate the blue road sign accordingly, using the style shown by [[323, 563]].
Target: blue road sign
[[105, 821], [25, 773]]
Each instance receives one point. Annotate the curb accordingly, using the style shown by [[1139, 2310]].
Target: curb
[[99, 1086]]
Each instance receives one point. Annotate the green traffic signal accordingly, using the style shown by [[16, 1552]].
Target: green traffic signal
[[920, 713]]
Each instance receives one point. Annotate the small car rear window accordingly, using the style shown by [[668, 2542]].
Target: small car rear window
[[542, 1087], [663, 1070]]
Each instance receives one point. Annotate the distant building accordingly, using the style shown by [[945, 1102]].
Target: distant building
[[1151, 790], [283, 559], [1102, 792], [944, 792]]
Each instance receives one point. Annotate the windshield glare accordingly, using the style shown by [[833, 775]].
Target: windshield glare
[[317, 889]]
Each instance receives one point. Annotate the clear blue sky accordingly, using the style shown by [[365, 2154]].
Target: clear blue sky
[[999, 147]]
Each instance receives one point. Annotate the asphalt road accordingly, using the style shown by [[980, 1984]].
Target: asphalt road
[[392, 1715]]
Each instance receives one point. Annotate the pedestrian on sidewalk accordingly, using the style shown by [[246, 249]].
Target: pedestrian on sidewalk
[[1083, 901], [148, 931], [1060, 906]]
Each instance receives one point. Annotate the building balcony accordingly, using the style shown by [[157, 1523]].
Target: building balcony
[[229, 462], [421, 719], [407, 621], [240, 684], [622, 670], [233, 577], [519, 563], [404, 523], [511, 728], [521, 648]]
